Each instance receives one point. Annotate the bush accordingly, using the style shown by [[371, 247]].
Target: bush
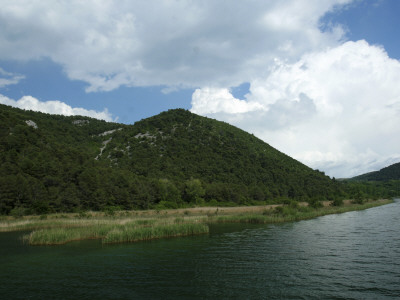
[[337, 202], [213, 202], [358, 201], [83, 215], [316, 204], [267, 212], [18, 212], [110, 210], [166, 205]]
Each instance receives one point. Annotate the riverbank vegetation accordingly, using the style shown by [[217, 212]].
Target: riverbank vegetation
[[131, 226], [115, 232]]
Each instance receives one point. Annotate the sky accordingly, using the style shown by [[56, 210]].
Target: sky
[[316, 79]]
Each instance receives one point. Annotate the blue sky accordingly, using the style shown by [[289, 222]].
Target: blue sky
[[315, 79]]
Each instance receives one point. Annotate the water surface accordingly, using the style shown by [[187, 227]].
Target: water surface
[[354, 255]]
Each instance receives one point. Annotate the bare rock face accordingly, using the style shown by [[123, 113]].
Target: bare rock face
[[80, 122], [31, 123], [109, 132]]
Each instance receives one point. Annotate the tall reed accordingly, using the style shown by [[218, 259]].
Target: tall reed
[[129, 232], [133, 234]]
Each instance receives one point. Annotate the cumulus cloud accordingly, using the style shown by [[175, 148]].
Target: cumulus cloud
[[173, 43], [213, 100], [336, 110], [55, 107]]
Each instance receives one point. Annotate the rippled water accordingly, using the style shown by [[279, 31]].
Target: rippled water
[[354, 255]]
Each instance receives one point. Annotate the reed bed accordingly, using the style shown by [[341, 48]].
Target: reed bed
[[57, 236], [36, 224], [114, 233], [134, 234]]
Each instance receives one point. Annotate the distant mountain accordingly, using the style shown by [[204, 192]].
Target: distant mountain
[[391, 172], [58, 163]]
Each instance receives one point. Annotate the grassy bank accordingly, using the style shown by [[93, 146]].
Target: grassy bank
[[293, 213], [133, 226], [115, 233]]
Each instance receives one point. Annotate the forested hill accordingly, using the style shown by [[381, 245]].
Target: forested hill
[[391, 172], [57, 163]]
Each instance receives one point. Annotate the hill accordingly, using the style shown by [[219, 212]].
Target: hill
[[391, 172], [58, 163]]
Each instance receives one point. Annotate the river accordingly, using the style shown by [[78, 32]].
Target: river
[[355, 255]]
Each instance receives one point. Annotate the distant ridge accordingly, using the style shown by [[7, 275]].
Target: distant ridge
[[391, 172]]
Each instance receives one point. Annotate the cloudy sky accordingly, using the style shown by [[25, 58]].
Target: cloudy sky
[[316, 79]]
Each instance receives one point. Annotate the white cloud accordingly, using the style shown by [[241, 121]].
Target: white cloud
[[337, 110], [174, 43], [55, 107], [7, 78], [213, 100]]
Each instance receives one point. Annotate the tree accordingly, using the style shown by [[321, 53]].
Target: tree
[[194, 191], [168, 191]]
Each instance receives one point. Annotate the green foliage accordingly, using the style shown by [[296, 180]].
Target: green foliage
[[194, 191], [114, 233], [391, 172], [43, 217], [337, 202], [166, 205], [168, 193], [83, 215], [110, 210], [315, 203], [18, 212]]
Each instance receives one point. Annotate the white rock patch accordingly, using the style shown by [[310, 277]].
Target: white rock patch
[[31, 123]]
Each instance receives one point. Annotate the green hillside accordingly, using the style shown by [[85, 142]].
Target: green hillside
[[391, 172], [175, 159]]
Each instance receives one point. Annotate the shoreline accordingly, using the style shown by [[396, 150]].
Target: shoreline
[[133, 226], [201, 210]]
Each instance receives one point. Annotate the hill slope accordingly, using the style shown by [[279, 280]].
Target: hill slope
[[391, 172], [58, 163]]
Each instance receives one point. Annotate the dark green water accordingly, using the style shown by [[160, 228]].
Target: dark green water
[[354, 255]]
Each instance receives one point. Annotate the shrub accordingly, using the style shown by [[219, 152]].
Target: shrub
[[111, 210], [267, 212], [83, 215], [294, 204], [315, 204], [213, 202], [278, 210], [358, 201], [18, 212], [166, 205], [337, 202]]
